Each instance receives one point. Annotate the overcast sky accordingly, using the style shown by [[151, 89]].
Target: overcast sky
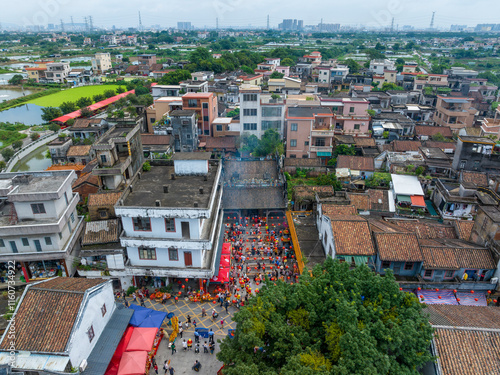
[[124, 13]]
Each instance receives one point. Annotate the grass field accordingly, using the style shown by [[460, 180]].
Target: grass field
[[71, 95]]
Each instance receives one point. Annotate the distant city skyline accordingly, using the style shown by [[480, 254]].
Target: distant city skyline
[[124, 13]]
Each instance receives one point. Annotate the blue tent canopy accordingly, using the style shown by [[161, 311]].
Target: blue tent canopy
[[146, 318]]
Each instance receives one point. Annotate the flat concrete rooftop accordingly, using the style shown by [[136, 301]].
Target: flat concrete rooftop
[[182, 192], [43, 182]]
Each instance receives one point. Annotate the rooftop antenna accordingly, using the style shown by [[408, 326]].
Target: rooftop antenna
[[432, 20]]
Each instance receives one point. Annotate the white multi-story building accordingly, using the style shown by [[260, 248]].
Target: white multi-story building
[[260, 112], [39, 226], [101, 62], [172, 220], [379, 66], [57, 72]]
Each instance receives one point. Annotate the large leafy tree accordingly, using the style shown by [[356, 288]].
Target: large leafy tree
[[269, 144], [173, 78], [50, 113], [334, 321]]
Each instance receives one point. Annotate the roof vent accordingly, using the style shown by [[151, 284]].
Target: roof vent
[[131, 188], [205, 178], [165, 189], [139, 175], [201, 190], [172, 176], [157, 203], [22, 179], [196, 204]]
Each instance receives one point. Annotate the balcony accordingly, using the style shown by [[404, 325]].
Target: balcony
[[117, 169], [321, 149], [322, 132]]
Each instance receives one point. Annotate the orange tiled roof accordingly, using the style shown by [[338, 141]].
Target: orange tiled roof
[[455, 258], [403, 146], [338, 209], [357, 163], [79, 150], [464, 229], [66, 167], [478, 178], [360, 201], [398, 247], [464, 316], [103, 199], [351, 235]]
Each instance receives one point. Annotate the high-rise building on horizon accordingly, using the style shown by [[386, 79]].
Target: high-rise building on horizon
[[184, 26], [291, 25]]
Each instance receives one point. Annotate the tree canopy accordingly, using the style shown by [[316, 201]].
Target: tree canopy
[[269, 144], [335, 321]]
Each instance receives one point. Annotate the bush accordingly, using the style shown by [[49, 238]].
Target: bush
[[146, 166], [34, 136], [7, 153], [109, 93], [17, 144], [54, 127], [2, 165], [131, 289]]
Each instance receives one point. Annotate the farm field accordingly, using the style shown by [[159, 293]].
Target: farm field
[[71, 95]]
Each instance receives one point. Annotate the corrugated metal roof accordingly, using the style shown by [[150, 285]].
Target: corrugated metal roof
[[36, 361]]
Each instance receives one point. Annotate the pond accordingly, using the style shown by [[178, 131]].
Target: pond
[[7, 94], [28, 114], [36, 161], [4, 78]]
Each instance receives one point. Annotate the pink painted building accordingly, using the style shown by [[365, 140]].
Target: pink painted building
[[285, 70], [309, 132], [350, 115]]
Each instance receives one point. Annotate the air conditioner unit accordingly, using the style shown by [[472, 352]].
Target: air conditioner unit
[[83, 365]]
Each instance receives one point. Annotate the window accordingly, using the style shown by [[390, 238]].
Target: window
[[320, 142], [293, 143], [170, 225], [205, 118], [38, 208], [386, 264], [249, 97], [408, 266], [25, 242], [90, 333], [152, 120], [271, 125], [72, 217], [188, 136], [66, 197], [356, 126], [294, 127], [48, 241], [306, 143], [173, 254], [428, 273], [103, 309], [271, 111], [2, 243], [147, 254], [103, 159], [192, 103], [449, 274], [250, 112], [60, 235], [103, 213], [305, 156], [351, 110], [142, 224], [249, 126], [293, 156], [219, 128]]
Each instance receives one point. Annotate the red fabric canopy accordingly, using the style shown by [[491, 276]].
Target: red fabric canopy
[[133, 363], [226, 248], [417, 200], [142, 339], [120, 349], [224, 265], [93, 107]]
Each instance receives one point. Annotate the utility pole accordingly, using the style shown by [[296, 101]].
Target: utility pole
[[62, 25], [268, 21], [140, 21], [432, 20]]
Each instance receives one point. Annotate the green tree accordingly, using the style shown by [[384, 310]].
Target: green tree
[[7, 153], [141, 90], [54, 127], [276, 75], [99, 97], [68, 107], [109, 93], [83, 102], [352, 65], [344, 150], [85, 112], [50, 113], [248, 142], [173, 78], [2, 165], [34, 136], [334, 321], [328, 180], [269, 144], [287, 62], [120, 90], [247, 69], [390, 86], [16, 79], [234, 113], [16, 145]]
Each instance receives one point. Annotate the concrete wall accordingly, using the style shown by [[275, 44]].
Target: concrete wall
[[301, 135], [162, 258], [417, 267], [25, 151], [90, 315], [191, 167], [158, 228]]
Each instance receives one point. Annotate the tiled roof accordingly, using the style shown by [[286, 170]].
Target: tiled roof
[[86, 178], [455, 258], [47, 313], [364, 142], [103, 199], [154, 139], [351, 235], [403, 146], [338, 209], [309, 192], [464, 229], [398, 247], [79, 150], [427, 230], [464, 316], [428, 130], [379, 199], [66, 167], [477, 178], [360, 201], [442, 145], [260, 198], [82, 123], [100, 232], [358, 163], [221, 142], [310, 162], [468, 352]]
